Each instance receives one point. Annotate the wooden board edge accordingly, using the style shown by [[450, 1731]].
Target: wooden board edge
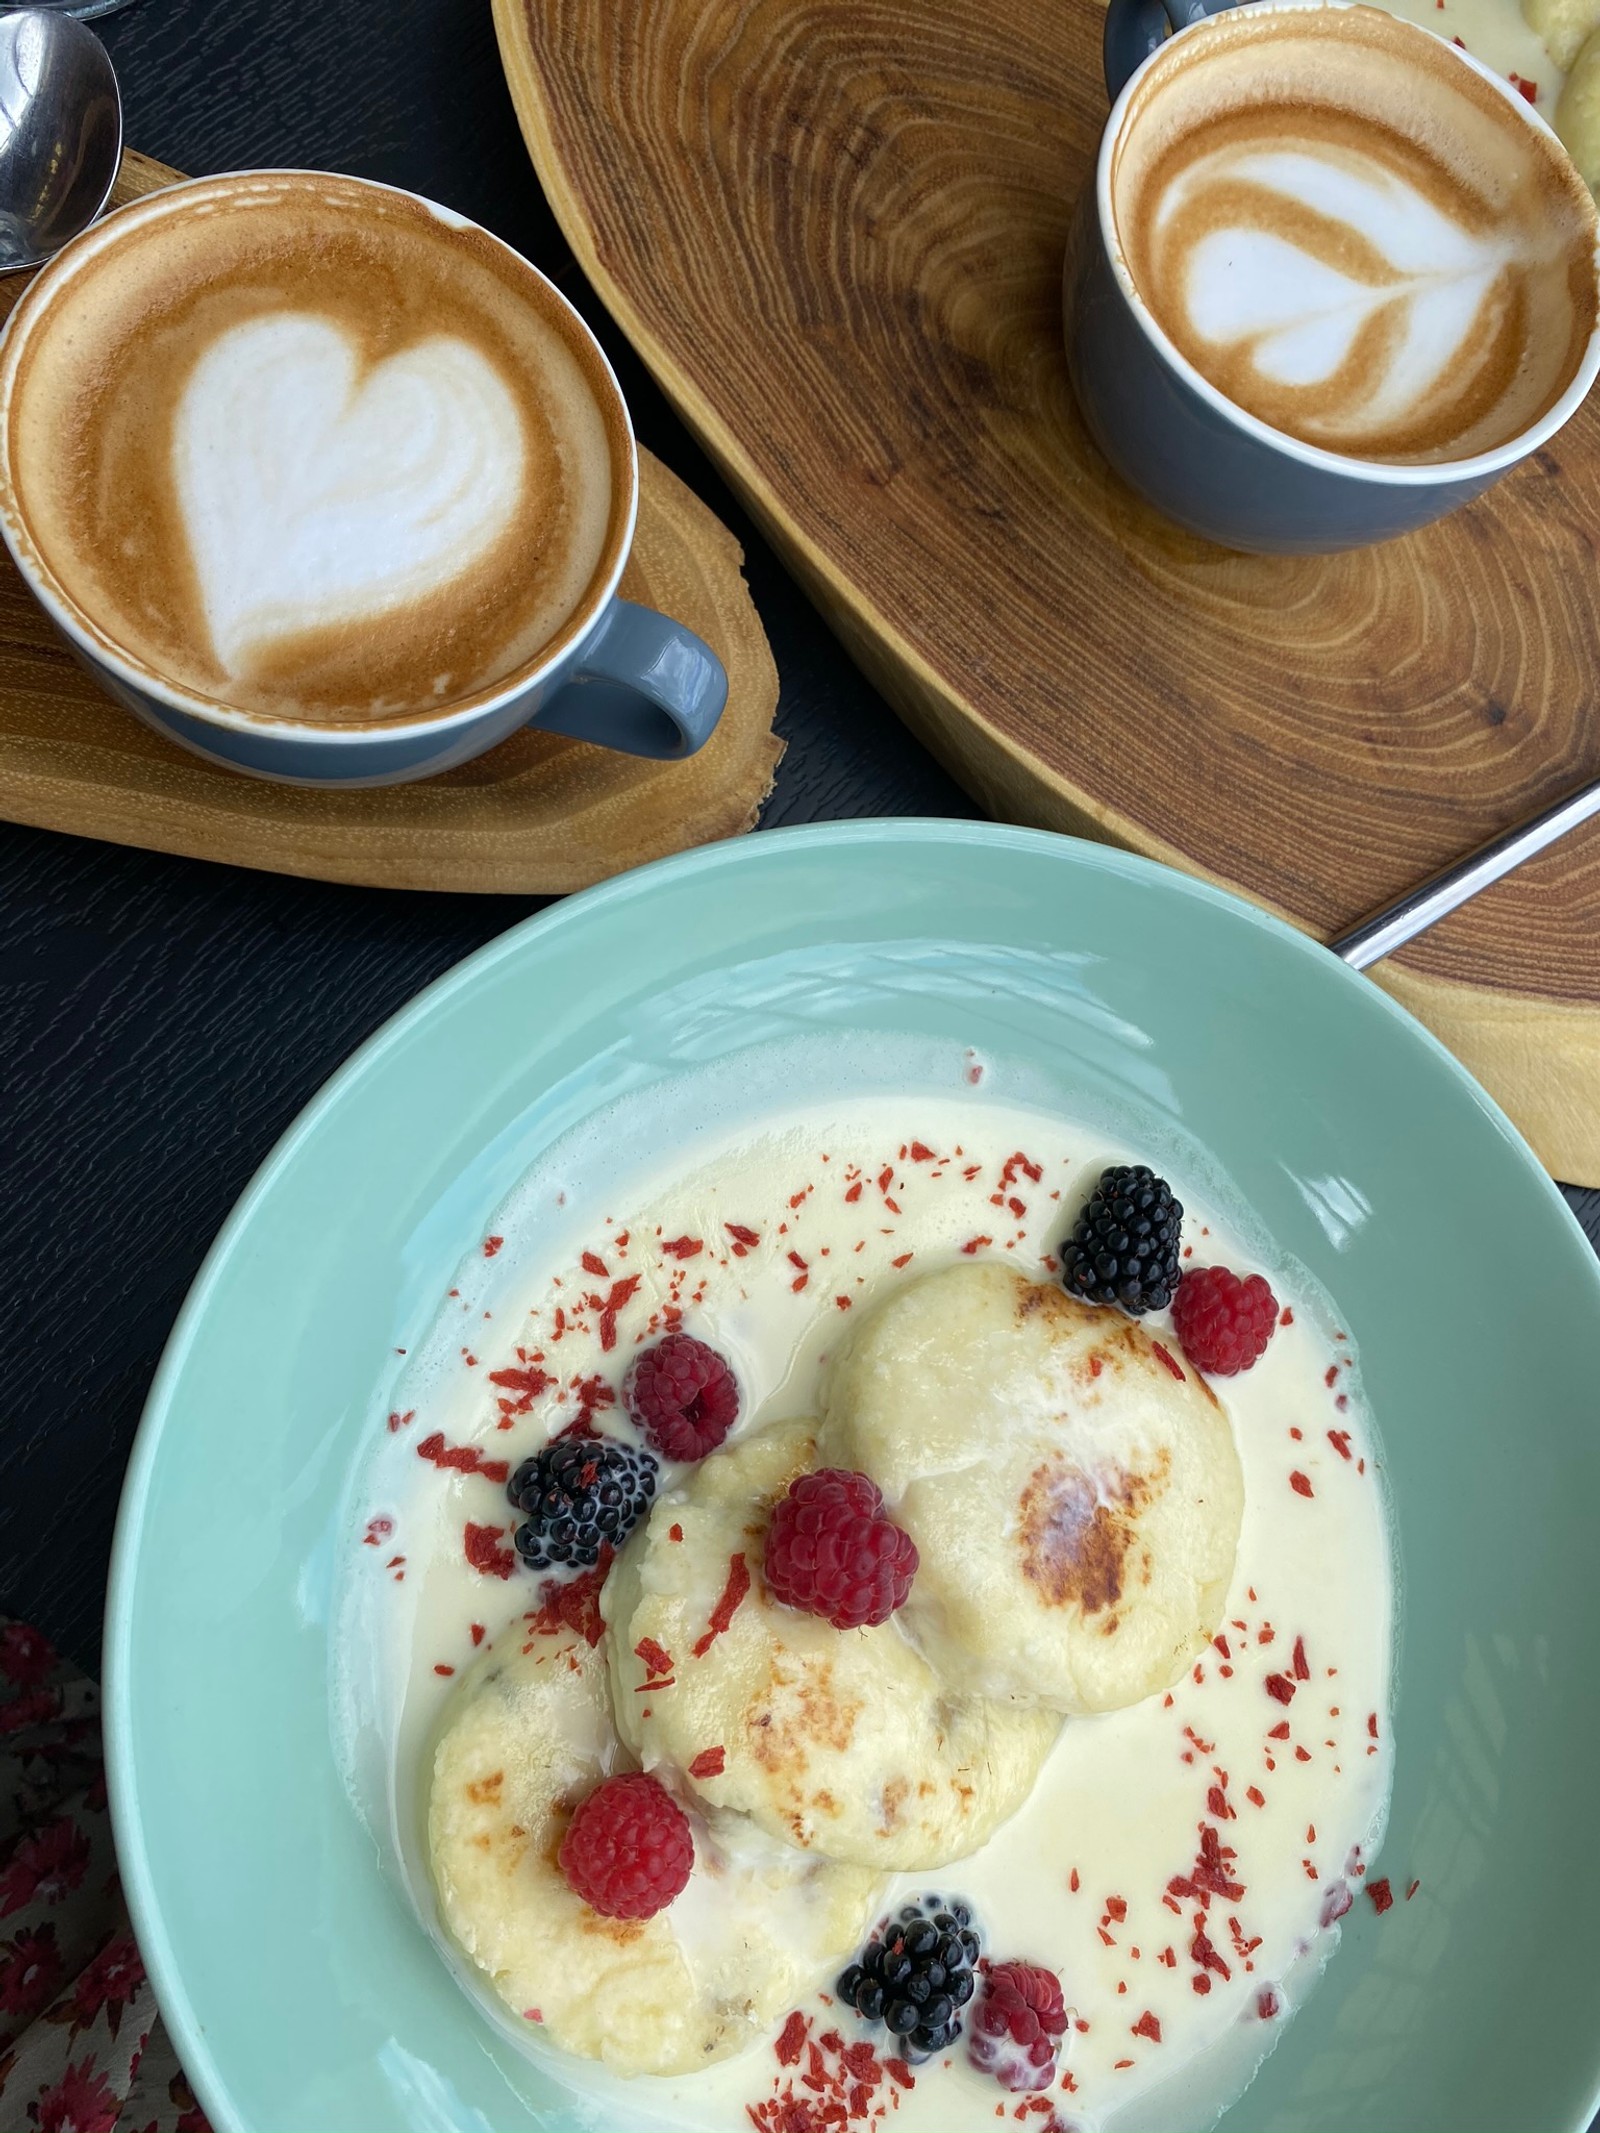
[[403, 858], [1539, 1059], [138, 175]]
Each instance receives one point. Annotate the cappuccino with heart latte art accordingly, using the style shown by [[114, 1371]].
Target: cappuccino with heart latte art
[[312, 450], [1353, 235]]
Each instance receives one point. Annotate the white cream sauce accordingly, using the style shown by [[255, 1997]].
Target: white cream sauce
[[1496, 32], [841, 1203]]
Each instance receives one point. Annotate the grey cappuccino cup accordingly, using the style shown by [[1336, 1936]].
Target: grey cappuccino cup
[[617, 674], [1172, 435]]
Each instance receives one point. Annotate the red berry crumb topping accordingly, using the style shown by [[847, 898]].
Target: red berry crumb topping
[[833, 1550], [1017, 2026], [628, 1850], [683, 1395], [1224, 1323]]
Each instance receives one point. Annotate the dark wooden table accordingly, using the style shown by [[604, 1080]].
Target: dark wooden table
[[162, 1020]]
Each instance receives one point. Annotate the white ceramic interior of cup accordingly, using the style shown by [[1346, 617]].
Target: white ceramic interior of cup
[[1417, 476], [100, 650]]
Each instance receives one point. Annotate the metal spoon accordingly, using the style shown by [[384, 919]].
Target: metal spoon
[[1424, 905], [60, 133]]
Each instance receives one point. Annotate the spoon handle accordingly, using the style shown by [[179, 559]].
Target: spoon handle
[[1424, 905]]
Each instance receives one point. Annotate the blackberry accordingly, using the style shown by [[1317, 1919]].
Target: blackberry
[[916, 1974], [1124, 1249], [577, 1494]]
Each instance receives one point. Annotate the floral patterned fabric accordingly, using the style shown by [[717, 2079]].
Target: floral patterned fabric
[[82, 2049]]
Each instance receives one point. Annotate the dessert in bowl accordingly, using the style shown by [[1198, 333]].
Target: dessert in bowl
[[274, 1735], [903, 1503]]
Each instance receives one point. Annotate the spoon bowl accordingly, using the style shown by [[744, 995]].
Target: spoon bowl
[[60, 133]]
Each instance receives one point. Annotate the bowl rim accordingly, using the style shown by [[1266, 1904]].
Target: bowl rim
[[139, 1884]]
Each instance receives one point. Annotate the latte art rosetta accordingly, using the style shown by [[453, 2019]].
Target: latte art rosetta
[[1336, 297], [312, 496], [1354, 236]]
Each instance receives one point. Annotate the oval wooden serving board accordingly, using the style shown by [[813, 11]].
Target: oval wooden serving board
[[835, 228], [537, 814]]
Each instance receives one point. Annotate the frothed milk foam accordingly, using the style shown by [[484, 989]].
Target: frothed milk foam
[[305, 448], [1353, 235]]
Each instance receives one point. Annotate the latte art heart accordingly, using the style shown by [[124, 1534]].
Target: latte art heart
[[314, 496], [313, 451]]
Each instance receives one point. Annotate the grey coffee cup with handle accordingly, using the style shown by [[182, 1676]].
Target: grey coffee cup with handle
[[1200, 458], [612, 672]]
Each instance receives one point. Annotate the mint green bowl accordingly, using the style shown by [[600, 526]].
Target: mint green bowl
[[303, 1994]]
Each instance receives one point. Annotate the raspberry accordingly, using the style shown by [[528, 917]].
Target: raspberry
[[1017, 2026], [628, 1850], [832, 1550], [1124, 1246], [683, 1396], [1224, 1323]]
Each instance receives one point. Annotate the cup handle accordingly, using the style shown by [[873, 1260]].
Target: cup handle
[[1134, 29], [642, 684]]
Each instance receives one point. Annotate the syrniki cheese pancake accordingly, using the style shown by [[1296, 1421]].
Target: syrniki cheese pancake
[[528, 1736], [1072, 1486], [842, 1742]]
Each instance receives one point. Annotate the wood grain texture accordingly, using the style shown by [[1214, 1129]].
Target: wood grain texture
[[834, 229], [537, 814]]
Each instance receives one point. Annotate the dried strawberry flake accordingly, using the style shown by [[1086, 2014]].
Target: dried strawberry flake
[[575, 1604], [728, 1606], [527, 1383], [461, 1458], [709, 1763], [621, 1293], [485, 1554]]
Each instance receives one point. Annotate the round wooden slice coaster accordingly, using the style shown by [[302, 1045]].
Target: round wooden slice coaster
[[835, 229], [538, 813]]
